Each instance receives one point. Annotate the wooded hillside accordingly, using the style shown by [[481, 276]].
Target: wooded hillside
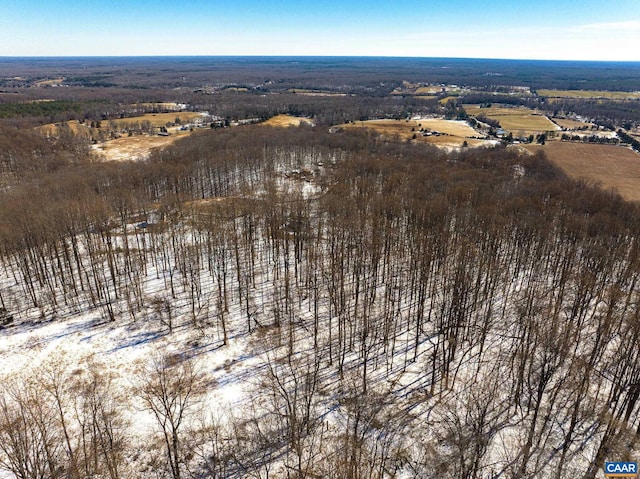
[[421, 313]]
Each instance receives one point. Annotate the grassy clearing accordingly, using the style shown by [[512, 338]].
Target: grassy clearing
[[237, 89], [456, 142], [571, 124], [426, 97], [172, 106], [428, 90], [287, 121], [454, 133], [53, 130], [127, 148], [444, 100], [407, 128], [519, 120], [400, 128], [52, 82], [155, 119], [158, 119], [581, 94], [450, 127], [135, 147], [612, 166]]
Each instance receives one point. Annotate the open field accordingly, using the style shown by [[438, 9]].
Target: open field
[[444, 100], [237, 89], [410, 89], [610, 95], [571, 124], [127, 148], [53, 129], [135, 147], [612, 166], [429, 90], [158, 119], [407, 128], [287, 120], [52, 82], [519, 120], [400, 128], [448, 142], [453, 133], [166, 105], [450, 127]]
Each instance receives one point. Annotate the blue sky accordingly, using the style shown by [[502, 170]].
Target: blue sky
[[540, 29]]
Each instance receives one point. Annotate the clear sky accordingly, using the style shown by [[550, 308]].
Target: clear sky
[[524, 29]]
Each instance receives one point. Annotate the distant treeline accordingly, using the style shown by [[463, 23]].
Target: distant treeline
[[635, 144], [115, 103], [345, 73], [38, 108], [606, 113], [356, 88]]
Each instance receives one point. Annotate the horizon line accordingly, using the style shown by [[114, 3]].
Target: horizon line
[[275, 56]]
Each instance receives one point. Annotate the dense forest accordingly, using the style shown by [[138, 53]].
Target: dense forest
[[346, 74], [463, 315]]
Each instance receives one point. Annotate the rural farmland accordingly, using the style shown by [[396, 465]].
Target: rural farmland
[[436, 131], [302, 268], [517, 120], [590, 94], [287, 120]]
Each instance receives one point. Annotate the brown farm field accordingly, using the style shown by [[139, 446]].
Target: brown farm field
[[53, 129], [581, 94], [399, 128], [450, 127], [518, 120], [406, 128], [158, 119], [163, 105], [428, 90], [453, 133], [457, 142], [611, 166], [51, 82], [140, 146], [571, 124], [444, 100], [155, 119], [135, 147], [287, 120]]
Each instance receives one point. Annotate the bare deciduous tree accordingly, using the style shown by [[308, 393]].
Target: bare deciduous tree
[[29, 433], [170, 388]]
